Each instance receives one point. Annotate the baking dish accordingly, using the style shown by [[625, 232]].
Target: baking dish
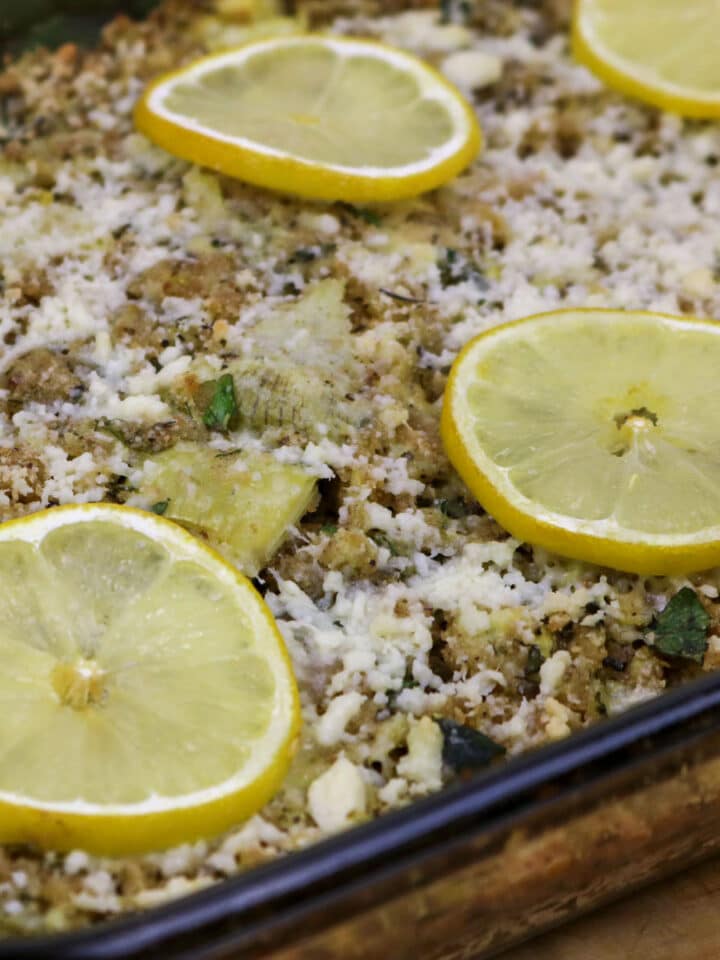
[[472, 869], [482, 865], [53, 22]]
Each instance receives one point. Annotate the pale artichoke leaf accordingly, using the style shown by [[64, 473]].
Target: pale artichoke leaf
[[244, 504]]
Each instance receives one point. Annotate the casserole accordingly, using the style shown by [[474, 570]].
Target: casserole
[[471, 870], [551, 667]]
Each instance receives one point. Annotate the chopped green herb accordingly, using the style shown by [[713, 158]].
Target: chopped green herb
[[465, 748], [681, 628], [362, 213], [456, 268], [455, 508], [534, 661], [308, 254], [222, 411], [382, 540], [160, 507], [329, 528], [409, 683], [303, 255], [455, 11]]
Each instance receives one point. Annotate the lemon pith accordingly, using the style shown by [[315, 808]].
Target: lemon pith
[[317, 116], [148, 695], [593, 433], [657, 52]]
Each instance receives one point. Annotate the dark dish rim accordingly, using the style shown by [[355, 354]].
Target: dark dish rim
[[243, 907]]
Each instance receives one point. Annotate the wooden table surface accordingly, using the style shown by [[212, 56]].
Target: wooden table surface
[[678, 919]]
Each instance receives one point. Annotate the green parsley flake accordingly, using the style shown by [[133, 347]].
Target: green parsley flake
[[681, 628], [456, 268], [455, 508], [363, 213], [222, 410]]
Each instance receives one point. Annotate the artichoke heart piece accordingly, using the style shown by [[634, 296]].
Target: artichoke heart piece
[[226, 29], [300, 372], [314, 329], [242, 503], [292, 397]]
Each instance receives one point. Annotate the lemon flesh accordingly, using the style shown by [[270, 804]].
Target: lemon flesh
[[657, 50], [318, 116], [596, 434], [146, 694]]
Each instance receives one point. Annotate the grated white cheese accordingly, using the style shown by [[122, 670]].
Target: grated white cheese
[[330, 728], [422, 765], [553, 670], [338, 796]]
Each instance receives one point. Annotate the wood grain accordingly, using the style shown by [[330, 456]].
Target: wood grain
[[678, 919]]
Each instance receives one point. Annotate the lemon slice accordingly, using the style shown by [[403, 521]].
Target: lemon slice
[[146, 694], [660, 51], [595, 434], [317, 116]]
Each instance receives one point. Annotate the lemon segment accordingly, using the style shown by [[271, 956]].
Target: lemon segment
[[146, 693], [595, 434], [657, 51], [317, 116]]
